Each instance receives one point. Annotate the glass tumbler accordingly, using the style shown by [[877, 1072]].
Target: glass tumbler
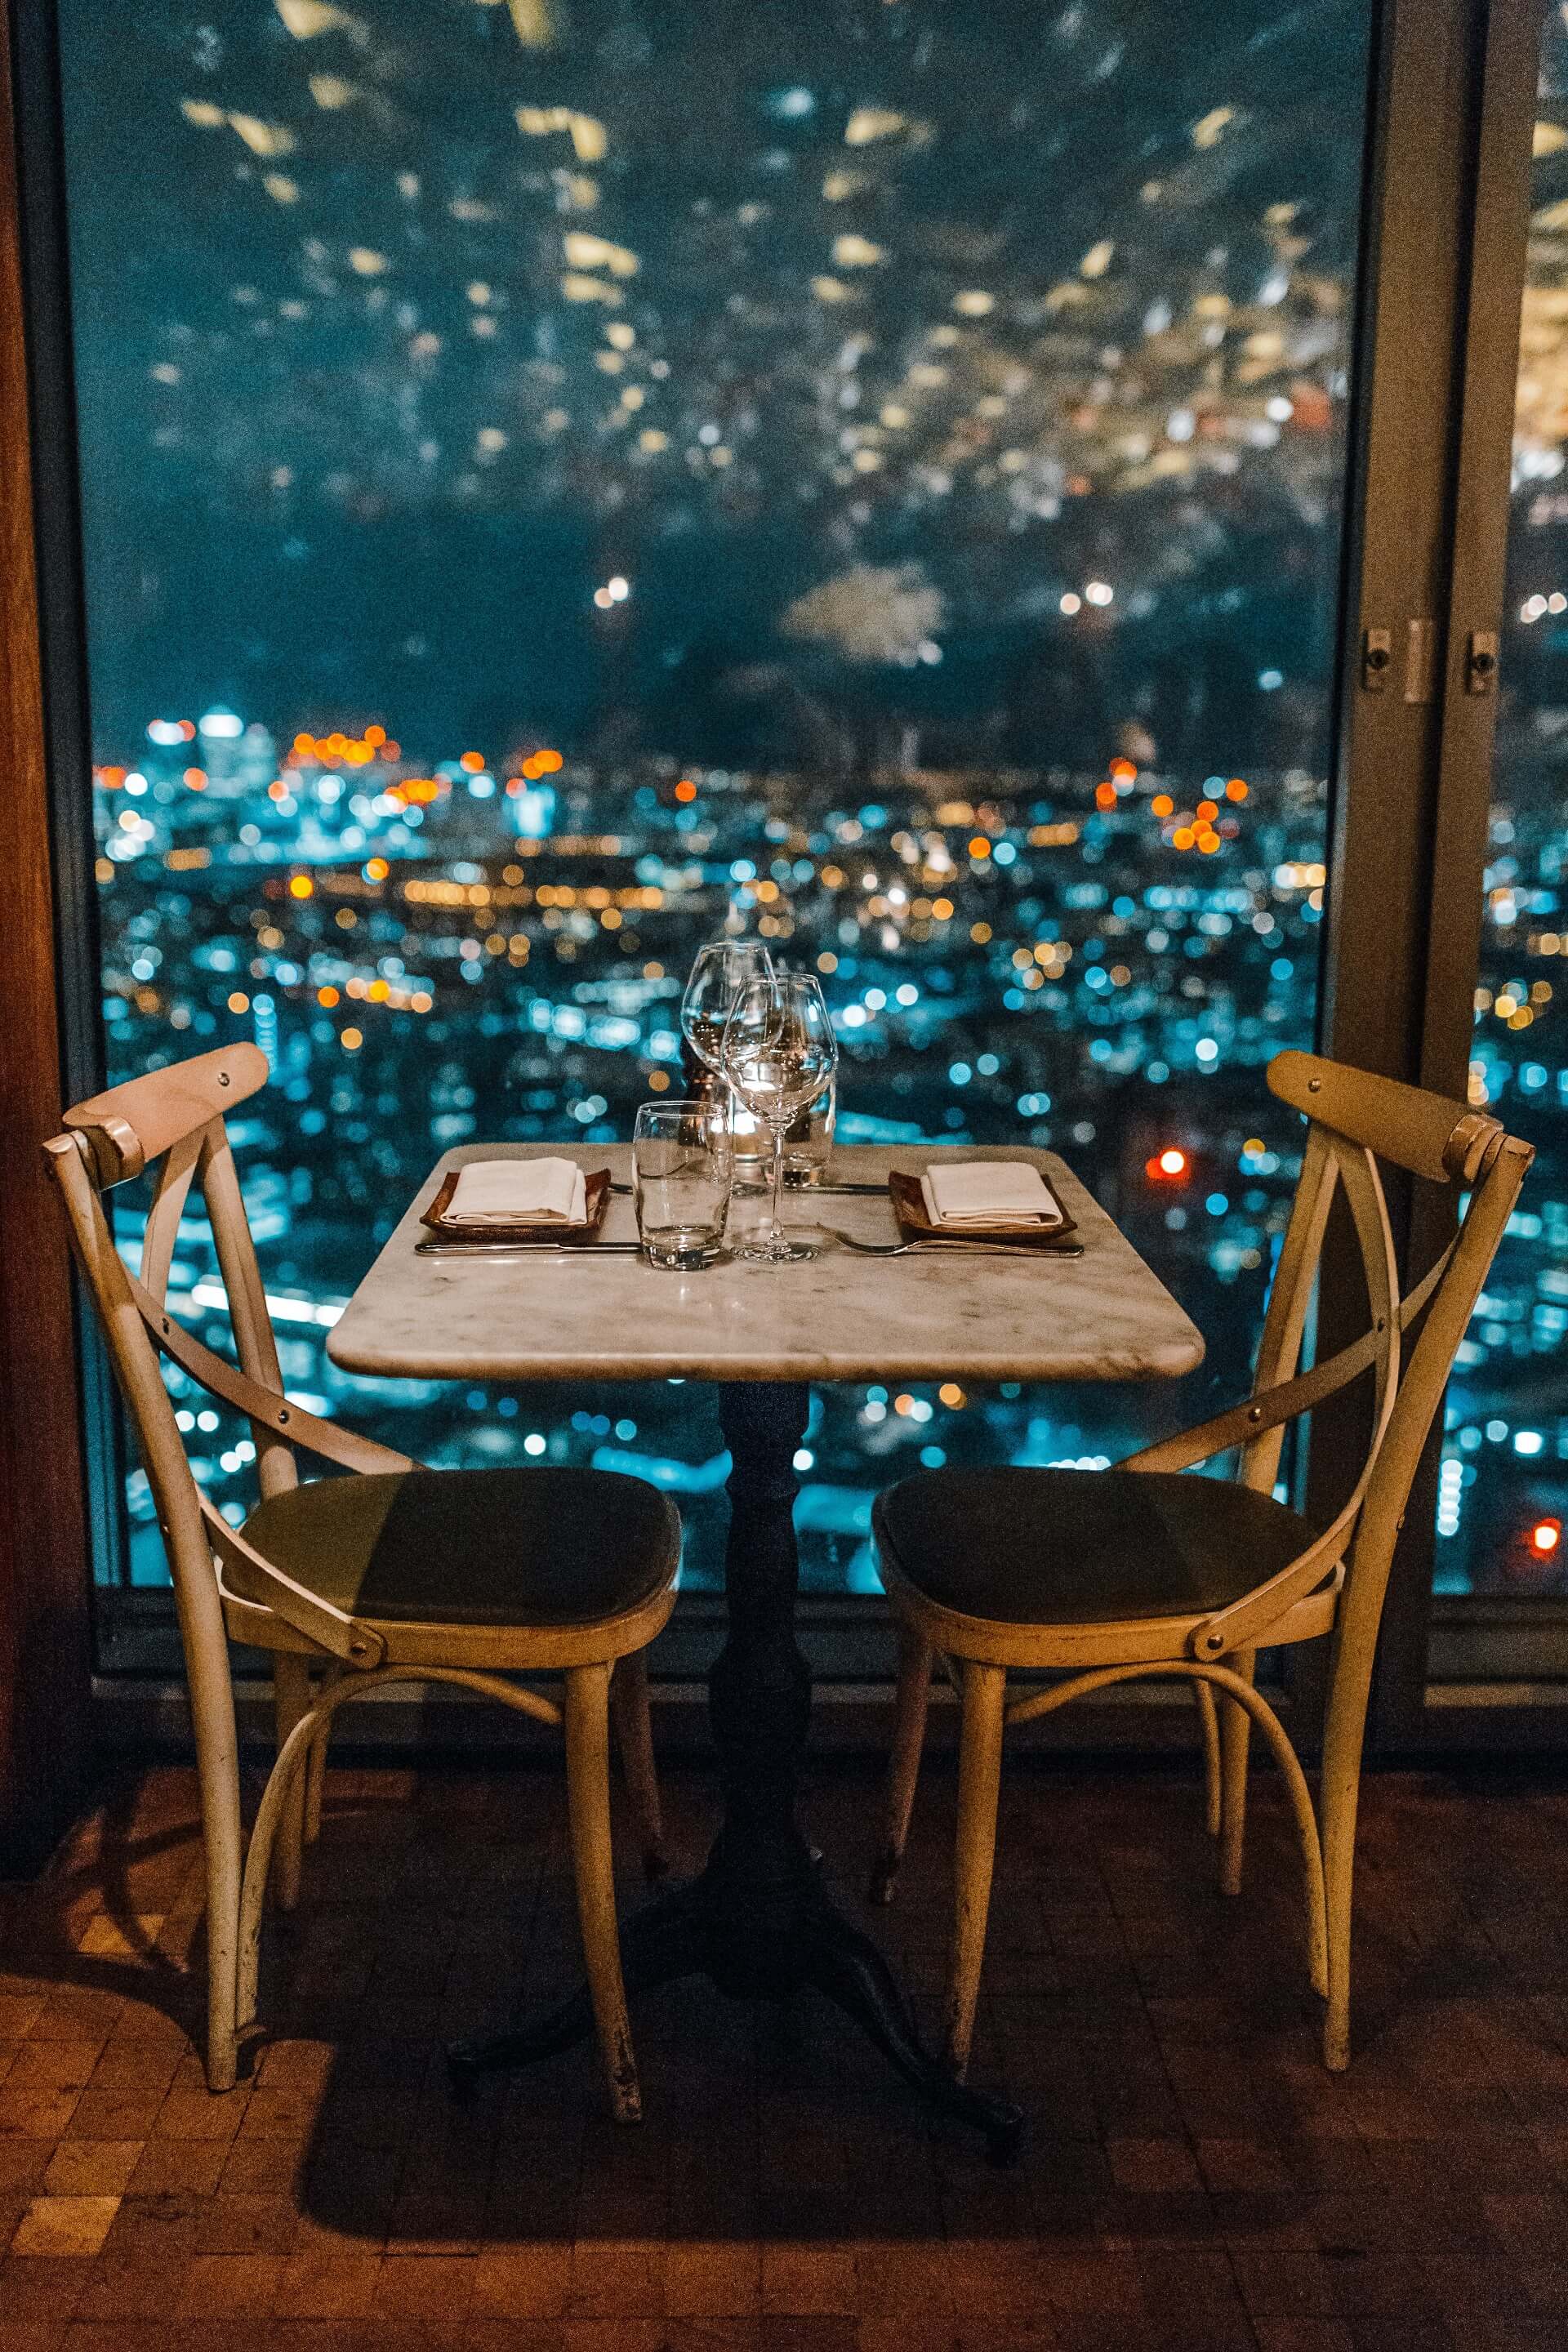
[[680, 1182]]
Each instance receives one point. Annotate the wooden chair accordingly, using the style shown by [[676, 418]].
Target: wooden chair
[[1116, 1575], [395, 1573]]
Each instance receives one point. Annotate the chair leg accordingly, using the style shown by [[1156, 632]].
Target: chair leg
[[588, 1803], [904, 1763], [290, 1700], [1235, 1734], [316, 1783], [978, 1787], [633, 1737], [316, 1762], [1339, 1796], [217, 1774], [1214, 1778], [279, 1798]]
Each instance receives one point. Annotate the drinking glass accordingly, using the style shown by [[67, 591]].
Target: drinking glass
[[680, 1182], [779, 1053], [720, 971]]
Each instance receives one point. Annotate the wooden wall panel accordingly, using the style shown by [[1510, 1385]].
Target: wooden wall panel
[[44, 1652]]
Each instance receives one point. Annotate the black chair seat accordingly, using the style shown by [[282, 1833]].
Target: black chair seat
[[545, 1546], [1082, 1547]]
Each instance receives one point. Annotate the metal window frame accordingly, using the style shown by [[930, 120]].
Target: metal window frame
[[1444, 219], [1447, 222]]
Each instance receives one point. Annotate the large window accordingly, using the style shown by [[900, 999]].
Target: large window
[[558, 478], [1503, 1500]]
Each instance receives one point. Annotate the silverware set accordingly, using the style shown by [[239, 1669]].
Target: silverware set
[[803, 1191], [922, 1248], [846, 1241], [800, 1194], [526, 1249]]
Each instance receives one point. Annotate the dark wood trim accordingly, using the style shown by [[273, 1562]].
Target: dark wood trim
[[143, 1715], [44, 1574]]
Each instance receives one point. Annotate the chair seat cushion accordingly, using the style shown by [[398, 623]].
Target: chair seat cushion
[[1083, 1547], [545, 1546]]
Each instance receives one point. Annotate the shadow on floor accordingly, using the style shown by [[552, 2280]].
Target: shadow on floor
[[1193, 2179]]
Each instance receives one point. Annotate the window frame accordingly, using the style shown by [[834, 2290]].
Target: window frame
[[1444, 219]]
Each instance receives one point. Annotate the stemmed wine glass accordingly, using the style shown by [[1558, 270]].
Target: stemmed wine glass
[[779, 1053], [722, 970]]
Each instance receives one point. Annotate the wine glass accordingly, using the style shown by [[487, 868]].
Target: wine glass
[[721, 970], [779, 1053]]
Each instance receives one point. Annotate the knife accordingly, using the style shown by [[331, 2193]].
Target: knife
[[521, 1249], [806, 1191]]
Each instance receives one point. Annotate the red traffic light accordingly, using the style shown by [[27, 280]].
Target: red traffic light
[[1166, 1166], [1545, 1537]]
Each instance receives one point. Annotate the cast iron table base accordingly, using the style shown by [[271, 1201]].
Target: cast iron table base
[[757, 1921]]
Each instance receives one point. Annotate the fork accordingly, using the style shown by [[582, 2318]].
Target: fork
[[948, 1249]]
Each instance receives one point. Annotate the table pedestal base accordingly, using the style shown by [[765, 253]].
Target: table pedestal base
[[697, 1930], [757, 1921]]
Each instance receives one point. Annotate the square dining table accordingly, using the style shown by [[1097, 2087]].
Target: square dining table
[[757, 1920]]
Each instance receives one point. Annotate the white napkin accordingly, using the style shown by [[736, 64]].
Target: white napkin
[[519, 1192], [988, 1192]]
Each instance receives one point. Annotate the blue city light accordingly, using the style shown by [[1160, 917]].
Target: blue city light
[[964, 575]]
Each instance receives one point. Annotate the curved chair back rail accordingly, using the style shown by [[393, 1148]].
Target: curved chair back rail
[[131, 1125], [1355, 1121], [1333, 1585], [170, 1125]]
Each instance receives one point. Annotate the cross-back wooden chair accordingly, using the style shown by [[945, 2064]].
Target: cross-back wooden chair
[[392, 1573], [1138, 1571]]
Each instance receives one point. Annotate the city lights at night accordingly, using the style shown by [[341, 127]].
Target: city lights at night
[[549, 499]]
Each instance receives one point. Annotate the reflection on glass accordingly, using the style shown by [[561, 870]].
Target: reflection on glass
[[721, 970], [1503, 1493], [557, 479], [779, 1055], [721, 973]]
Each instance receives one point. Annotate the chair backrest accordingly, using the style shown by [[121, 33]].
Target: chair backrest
[[175, 1116], [1441, 1142], [1354, 1121]]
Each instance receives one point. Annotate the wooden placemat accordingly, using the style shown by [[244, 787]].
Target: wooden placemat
[[597, 1189], [915, 1226]]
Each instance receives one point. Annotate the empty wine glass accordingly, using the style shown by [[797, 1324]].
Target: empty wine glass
[[721, 970], [779, 1053]]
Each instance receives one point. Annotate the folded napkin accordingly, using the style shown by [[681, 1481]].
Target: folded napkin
[[988, 1192], [519, 1192]]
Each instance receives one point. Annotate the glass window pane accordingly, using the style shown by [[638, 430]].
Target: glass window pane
[[1503, 1497], [558, 476]]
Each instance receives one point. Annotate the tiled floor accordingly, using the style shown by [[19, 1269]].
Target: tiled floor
[[1194, 2180]]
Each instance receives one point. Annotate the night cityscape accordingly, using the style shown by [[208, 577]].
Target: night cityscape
[[554, 487]]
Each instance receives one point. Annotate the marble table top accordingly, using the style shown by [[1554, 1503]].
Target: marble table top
[[836, 1317]]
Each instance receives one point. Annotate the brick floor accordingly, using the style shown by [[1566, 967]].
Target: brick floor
[[1194, 2181]]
